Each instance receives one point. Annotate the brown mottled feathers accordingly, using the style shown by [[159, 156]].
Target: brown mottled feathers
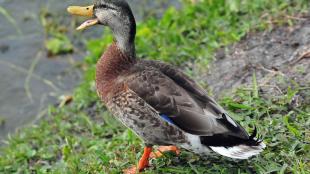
[[138, 115], [172, 93], [181, 79], [167, 90]]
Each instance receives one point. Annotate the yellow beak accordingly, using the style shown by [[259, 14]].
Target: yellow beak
[[87, 11]]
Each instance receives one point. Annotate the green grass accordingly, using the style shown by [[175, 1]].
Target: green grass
[[83, 138], [77, 139]]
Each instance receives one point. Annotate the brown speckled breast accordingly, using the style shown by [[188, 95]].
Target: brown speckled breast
[[137, 115]]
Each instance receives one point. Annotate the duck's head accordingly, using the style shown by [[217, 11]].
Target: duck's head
[[117, 15]]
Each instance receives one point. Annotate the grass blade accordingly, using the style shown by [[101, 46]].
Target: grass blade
[[255, 86]]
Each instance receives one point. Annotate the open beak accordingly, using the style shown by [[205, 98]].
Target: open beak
[[87, 11]]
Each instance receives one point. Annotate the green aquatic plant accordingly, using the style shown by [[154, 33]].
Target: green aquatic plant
[[59, 44]]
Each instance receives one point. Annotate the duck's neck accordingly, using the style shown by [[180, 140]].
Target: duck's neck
[[119, 57], [125, 44], [112, 63], [124, 33]]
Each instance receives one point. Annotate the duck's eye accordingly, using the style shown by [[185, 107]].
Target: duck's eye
[[103, 6]]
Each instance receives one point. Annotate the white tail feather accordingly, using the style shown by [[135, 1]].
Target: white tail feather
[[240, 151]]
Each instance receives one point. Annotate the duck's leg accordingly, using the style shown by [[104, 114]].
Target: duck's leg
[[162, 149], [143, 162]]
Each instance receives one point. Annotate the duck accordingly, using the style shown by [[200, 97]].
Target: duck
[[156, 100]]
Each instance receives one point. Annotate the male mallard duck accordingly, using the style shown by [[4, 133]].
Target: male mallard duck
[[157, 101]]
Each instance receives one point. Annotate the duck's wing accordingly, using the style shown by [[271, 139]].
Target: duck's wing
[[182, 80], [182, 101]]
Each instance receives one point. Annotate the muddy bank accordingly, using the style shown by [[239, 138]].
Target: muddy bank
[[280, 58]]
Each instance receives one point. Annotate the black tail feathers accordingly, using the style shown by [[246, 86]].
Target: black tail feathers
[[229, 140]]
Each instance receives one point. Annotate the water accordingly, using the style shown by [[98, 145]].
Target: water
[[29, 81]]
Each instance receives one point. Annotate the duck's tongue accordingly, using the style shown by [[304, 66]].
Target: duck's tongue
[[87, 24], [87, 11]]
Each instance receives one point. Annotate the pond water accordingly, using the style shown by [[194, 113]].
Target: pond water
[[29, 80]]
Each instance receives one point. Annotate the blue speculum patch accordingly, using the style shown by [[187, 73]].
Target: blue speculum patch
[[166, 118]]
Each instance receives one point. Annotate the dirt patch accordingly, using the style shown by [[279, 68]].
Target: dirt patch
[[279, 58]]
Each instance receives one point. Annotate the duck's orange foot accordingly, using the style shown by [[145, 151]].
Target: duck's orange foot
[[162, 149], [135, 169], [143, 163]]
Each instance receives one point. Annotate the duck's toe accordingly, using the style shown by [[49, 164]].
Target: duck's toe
[[161, 149], [131, 170]]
